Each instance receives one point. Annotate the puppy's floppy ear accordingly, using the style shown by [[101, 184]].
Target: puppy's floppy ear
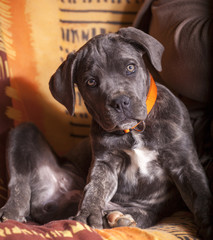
[[62, 84], [139, 38]]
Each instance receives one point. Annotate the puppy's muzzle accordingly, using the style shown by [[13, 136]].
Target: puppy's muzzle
[[121, 104]]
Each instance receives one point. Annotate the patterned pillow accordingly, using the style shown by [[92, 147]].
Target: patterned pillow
[[37, 36]]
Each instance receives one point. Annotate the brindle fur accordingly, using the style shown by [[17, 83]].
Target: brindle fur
[[142, 174]]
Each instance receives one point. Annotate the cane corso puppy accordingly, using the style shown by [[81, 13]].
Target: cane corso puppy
[[43, 187], [143, 157]]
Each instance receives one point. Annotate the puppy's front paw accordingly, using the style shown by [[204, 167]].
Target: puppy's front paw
[[91, 217], [118, 219], [7, 213]]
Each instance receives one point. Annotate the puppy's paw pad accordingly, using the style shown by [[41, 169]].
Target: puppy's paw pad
[[3, 218], [118, 219]]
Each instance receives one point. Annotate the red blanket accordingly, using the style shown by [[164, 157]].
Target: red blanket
[[179, 226], [54, 230]]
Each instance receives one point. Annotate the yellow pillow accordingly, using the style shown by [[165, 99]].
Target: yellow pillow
[[37, 35]]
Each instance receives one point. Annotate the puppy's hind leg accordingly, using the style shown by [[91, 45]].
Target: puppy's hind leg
[[23, 153]]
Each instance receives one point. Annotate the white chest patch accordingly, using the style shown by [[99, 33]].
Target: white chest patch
[[141, 159]]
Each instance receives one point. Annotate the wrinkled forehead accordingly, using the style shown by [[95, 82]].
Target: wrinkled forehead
[[106, 50]]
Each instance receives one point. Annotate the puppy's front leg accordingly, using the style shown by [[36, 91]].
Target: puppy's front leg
[[192, 183], [98, 192]]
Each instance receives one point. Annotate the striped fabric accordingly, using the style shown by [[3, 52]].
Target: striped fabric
[[37, 36]]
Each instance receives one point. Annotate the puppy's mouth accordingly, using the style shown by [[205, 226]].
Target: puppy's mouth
[[127, 124], [122, 125]]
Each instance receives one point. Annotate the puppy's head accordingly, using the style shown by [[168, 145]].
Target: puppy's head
[[111, 76]]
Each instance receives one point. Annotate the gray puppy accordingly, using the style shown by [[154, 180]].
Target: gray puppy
[[143, 158], [143, 174], [42, 186]]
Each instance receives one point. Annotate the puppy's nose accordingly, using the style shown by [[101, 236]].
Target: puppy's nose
[[121, 103]]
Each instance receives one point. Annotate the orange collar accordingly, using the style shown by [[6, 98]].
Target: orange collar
[[150, 102]]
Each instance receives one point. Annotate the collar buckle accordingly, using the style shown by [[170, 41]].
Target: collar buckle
[[140, 127]]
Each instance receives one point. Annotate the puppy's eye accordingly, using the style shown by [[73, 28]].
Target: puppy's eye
[[130, 69], [91, 82]]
